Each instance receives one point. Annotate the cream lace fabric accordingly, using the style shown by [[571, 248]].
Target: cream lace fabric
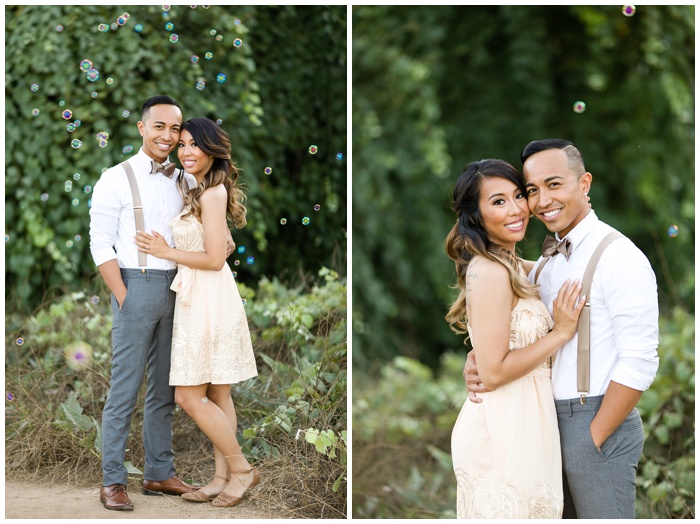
[[211, 339], [505, 450]]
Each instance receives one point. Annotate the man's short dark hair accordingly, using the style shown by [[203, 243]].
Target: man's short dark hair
[[157, 100], [573, 155]]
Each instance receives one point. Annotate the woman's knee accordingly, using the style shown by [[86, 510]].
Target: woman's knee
[[219, 393], [187, 399]]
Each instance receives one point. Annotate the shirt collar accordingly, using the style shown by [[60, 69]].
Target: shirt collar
[[578, 233]]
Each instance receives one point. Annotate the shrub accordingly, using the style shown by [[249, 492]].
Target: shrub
[[55, 394]]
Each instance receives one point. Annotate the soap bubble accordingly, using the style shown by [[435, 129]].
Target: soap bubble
[[95, 299], [313, 150], [67, 114], [194, 59], [102, 143], [78, 354], [34, 88], [75, 144], [241, 249], [35, 111], [20, 341], [75, 202], [317, 207], [219, 121], [268, 170], [174, 38], [109, 81], [138, 28], [127, 149], [87, 189], [250, 261], [93, 94], [86, 65], [69, 243], [9, 396], [70, 127], [200, 85], [44, 197], [77, 122], [221, 78], [579, 107], [77, 238], [208, 55], [306, 221], [339, 156], [628, 10], [673, 231], [121, 20], [212, 32], [237, 21], [169, 26], [237, 42], [236, 262], [126, 113], [283, 221], [76, 176], [113, 26], [166, 8], [103, 28], [59, 28], [68, 186], [92, 75], [219, 38]]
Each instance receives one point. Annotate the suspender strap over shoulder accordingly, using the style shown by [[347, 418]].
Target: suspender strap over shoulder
[[584, 321], [138, 207]]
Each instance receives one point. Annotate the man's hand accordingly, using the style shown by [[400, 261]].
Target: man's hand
[[471, 378], [230, 244]]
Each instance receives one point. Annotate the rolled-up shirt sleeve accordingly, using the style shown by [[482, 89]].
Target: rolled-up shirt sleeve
[[104, 220], [632, 299]]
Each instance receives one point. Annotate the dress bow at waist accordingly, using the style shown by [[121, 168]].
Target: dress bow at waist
[[182, 284]]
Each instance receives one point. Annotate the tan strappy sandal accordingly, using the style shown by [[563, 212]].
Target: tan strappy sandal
[[225, 500], [199, 496]]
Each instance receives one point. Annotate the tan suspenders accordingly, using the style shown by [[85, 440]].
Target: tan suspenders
[[584, 322], [138, 208]]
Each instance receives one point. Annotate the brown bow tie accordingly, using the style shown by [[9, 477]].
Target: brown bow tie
[[553, 247], [167, 170]]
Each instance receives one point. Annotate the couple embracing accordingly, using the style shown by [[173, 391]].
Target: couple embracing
[[160, 239], [563, 347]]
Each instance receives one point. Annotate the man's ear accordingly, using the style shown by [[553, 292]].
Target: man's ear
[[585, 181]]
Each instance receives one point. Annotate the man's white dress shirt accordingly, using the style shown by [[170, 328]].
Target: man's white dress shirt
[[112, 222], [624, 311]]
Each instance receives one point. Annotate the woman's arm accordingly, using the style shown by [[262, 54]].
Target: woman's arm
[[490, 298], [213, 206], [528, 265]]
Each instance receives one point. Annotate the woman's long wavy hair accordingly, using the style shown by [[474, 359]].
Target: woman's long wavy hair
[[214, 141], [468, 237]]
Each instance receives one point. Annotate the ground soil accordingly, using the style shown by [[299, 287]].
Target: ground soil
[[26, 500]]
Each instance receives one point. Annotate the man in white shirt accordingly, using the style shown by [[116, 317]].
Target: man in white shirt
[[143, 315], [601, 434]]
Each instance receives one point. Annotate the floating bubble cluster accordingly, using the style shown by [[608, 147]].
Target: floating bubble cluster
[[68, 186], [34, 88], [103, 28], [628, 10], [102, 135], [268, 170], [673, 231], [221, 78], [579, 107], [306, 221]]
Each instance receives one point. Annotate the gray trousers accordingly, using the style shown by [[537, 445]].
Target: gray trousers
[[598, 484], [141, 339]]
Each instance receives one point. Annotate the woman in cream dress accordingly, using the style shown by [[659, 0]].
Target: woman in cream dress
[[211, 342], [505, 450]]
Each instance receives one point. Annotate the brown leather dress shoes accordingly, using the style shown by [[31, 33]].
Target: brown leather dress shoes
[[115, 497], [172, 486]]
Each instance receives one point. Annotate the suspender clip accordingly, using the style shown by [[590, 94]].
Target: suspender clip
[[583, 399]]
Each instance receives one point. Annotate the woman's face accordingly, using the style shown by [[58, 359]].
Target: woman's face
[[193, 160], [504, 211]]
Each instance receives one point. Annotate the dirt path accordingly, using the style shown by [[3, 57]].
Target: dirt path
[[24, 500]]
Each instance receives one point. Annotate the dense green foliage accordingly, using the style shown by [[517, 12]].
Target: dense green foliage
[[403, 420], [57, 376], [435, 88], [284, 91]]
